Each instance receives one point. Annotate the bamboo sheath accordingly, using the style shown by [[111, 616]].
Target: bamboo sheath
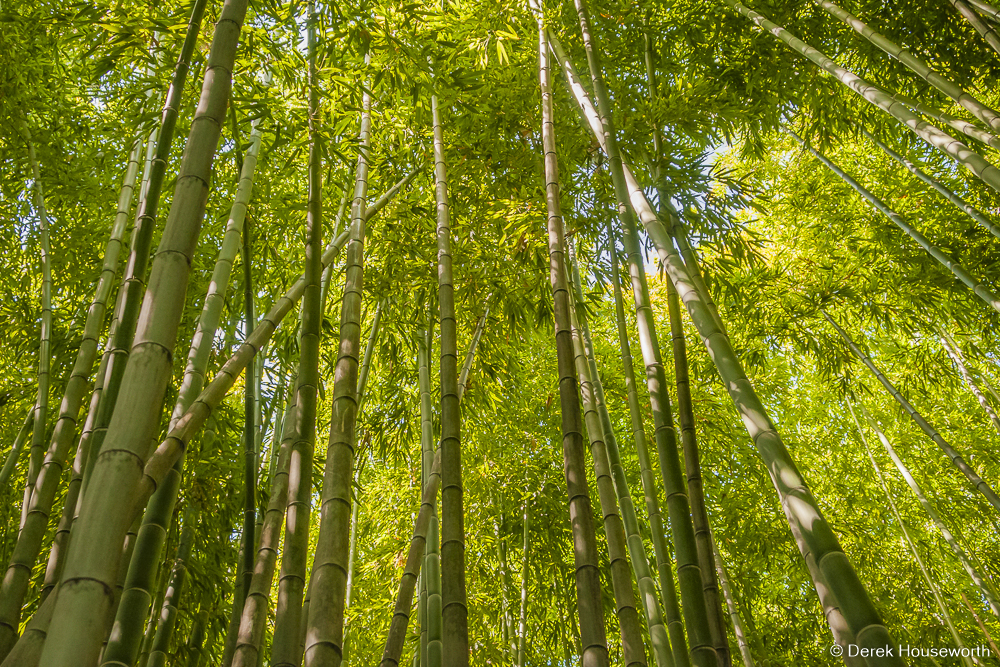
[[937, 138], [590, 608], [935, 591], [621, 526], [800, 506], [86, 594], [957, 460], [977, 578], [46, 483], [971, 210], [701, 644], [978, 288], [671, 607], [916, 65]]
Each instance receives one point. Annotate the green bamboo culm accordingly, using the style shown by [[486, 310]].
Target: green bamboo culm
[[971, 210], [251, 417], [432, 559], [20, 439], [626, 553], [956, 459], [953, 351], [960, 124], [668, 590], [733, 608], [324, 639], [810, 530], [175, 588], [196, 641], [978, 287], [937, 138], [978, 109], [980, 582], [696, 493], [522, 634], [292, 579], [126, 636], [95, 552], [37, 449], [935, 590], [700, 640], [590, 608], [984, 28], [454, 608]]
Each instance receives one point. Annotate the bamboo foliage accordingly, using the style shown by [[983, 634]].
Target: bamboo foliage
[[594, 646]]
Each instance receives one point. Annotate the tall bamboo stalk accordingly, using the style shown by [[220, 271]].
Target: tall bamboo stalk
[[692, 467], [701, 644], [251, 417], [971, 210], [633, 651], [734, 612], [127, 632], [15, 450], [935, 590], [985, 30], [916, 65], [454, 608], [957, 460], [86, 597], [650, 597], [522, 634], [811, 531], [292, 579], [328, 582], [590, 608], [37, 450], [937, 138], [980, 582], [960, 124], [671, 607], [956, 356], [978, 288]]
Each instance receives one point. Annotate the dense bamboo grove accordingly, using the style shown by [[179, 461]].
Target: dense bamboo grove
[[644, 334]]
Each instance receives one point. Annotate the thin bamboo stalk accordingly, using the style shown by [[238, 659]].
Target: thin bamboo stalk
[[734, 612], [324, 638], [522, 634], [811, 531], [985, 30], [82, 607], [979, 622], [650, 597], [952, 349], [590, 608], [175, 587], [937, 138], [957, 460], [935, 590], [978, 288], [971, 210], [916, 65], [15, 450], [980, 582]]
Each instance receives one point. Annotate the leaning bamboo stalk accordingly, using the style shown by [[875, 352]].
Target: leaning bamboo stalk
[[91, 569], [937, 138], [979, 622], [671, 607], [943, 190], [978, 288], [650, 597], [935, 590], [692, 468], [734, 612], [957, 460], [633, 651], [811, 530], [986, 9], [324, 634], [46, 483], [15, 450], [962, 125], [916, 65], [701, 644], [126, 636], [590, 608], [37, 449], [985, 30], [952, 349], [424, 530], [980, 582]]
